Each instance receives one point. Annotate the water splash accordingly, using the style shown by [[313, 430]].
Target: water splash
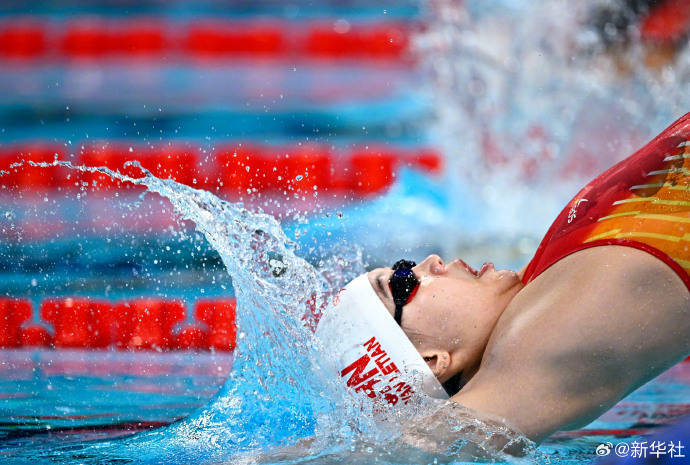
[[279, 405], [531, 102], [276, 388]]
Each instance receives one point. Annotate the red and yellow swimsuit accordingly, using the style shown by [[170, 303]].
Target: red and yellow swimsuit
[[642, 202]]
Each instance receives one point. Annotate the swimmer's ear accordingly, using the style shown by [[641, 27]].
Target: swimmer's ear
[[438, 361]]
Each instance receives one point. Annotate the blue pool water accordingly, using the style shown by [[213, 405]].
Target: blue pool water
[[69, 399], [276, 394], [521, 97]]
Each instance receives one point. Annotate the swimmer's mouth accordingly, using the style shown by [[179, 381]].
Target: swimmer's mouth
[[477, 274]]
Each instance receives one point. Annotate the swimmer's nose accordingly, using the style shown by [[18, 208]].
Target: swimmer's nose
[[432, 265]]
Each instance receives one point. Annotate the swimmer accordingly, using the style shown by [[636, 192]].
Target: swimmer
[[602, 308]]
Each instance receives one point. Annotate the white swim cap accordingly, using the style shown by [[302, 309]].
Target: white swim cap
[[371, 352]]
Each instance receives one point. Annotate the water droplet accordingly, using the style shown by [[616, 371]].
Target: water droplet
[[341, 26]]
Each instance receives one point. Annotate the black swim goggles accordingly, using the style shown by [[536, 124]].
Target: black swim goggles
[[403, 285]]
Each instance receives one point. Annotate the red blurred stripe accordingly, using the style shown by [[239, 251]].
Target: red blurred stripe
[[428, 160], [668, 22], [243, 167], [79, 322], [13, 313], [22, 39], [35, 336], [178, 162], [31, 178], [96, 37], [307, 169], [356, 41], [235, 38], [372, 169], [140, 38], [219, 316], [87, 38], [147, 323], [112, 156], [191, 337], [236, 169]]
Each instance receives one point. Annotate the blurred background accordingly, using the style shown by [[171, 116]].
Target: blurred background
[[466, 126], [399, 127]]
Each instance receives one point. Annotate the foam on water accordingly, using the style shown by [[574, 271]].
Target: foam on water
[[278, 394]]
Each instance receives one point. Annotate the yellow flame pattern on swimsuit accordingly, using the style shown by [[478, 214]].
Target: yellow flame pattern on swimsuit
[[656, 213], [641, 202]]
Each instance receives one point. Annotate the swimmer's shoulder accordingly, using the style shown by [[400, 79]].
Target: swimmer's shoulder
[[587, 297], [579, 337]]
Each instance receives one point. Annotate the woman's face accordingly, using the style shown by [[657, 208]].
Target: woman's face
[[450, 318]]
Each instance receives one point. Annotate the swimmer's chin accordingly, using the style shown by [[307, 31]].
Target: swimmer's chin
[[507, 274], [510, 280]]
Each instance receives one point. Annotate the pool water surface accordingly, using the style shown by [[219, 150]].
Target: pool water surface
[[69, 397]]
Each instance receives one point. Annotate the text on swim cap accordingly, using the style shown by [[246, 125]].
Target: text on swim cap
[[383, 371]]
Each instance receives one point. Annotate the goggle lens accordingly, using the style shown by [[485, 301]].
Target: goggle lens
[[403, 285]]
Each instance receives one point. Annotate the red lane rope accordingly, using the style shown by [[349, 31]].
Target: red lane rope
[[231, 169], [136, 324], [97, 38]]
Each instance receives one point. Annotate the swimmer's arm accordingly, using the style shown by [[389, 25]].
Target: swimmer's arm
[[457, 432], [453, 433]]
